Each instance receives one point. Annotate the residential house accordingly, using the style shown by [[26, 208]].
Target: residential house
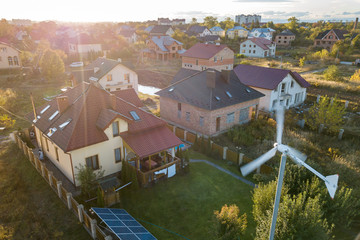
[[88, 126], [247, 19], [278, 85], [218, 31], [284, 38], [258, 47], [266, 33], [328, 38], [9, 56], [198, 31], [149, 28], [161, 30], [129, 34], [21, 22], [163, 48], [178, 21], [202, 56], [83, 44], [209, 102], [22, 35], [174, 22], [237, 31], [66, 31], [164, 21], [111, 75], [209, 39]]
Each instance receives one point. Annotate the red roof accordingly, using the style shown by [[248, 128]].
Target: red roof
[[263, 77], [151, 141], [129, 95], [203, 50], [91, 110], [261, 42]]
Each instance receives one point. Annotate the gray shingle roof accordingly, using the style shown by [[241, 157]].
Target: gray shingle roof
[[193, 90], [163, 41], [160, 29]]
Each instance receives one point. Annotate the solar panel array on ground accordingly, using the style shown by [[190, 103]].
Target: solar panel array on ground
[[123, 225]]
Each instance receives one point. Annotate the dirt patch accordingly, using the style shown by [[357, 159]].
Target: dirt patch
[[154, 79]]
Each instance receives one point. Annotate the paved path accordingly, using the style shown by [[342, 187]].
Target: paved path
[[313, 71], [224, 170]]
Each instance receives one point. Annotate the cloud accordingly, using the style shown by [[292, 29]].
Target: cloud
[[195, 13], [350, 13], [283, 1], [284, 14]]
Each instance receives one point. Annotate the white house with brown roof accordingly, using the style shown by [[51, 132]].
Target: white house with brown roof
[[278, 85], [83, 44], [9, 56], [91, 127], [109, 74], [258, 47], [204, 55]]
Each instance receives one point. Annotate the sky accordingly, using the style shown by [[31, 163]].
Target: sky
[[142, 10]]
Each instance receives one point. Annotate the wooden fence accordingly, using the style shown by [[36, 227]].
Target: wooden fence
[[78, 209], [223, 152]]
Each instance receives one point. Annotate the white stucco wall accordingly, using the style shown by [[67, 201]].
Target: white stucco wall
[[118, 82], [5, 52], [259, 52]]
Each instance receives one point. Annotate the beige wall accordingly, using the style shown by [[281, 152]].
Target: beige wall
[[118, 82], [5, 52], [169, 112], [84, 48]]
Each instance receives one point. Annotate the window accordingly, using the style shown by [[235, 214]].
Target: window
[[57, 153], [135, 116], [127, 77], [47, 144], [179, 110], [253, 51], [276, 89], [16, 62], [3, 49], [230, 117], [285, 37], [215, 59], [109, 77], [249, 51], [221, 59], [284, 41], [283, 87], [292, 84], [179, 47], [279, 37], [92, 162], [117, 89], [330, 37], [115, 128], [117, 153], [10, 61], [243, 51], [197, 62], [274, 103], [201, 121], [244, 45], [188, 116], [173, 48], [287, 102], [244, 114]]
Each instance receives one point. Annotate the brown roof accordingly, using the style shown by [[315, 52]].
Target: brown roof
[[203, 50], [91, 110], [129, 95], [261, 42], [266, 78]]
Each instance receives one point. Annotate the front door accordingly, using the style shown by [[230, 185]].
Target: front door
[[218, 124]]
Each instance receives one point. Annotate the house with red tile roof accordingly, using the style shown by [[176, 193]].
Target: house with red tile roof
[[278, 85], [89, 126], [163, 48], [204, 55], [258, 47]]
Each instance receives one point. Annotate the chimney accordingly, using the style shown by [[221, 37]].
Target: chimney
[[210, 78], [96, 69], [119, 60], [356, 23], [217, 44], [113, 101], [62, 103], [225, 75]]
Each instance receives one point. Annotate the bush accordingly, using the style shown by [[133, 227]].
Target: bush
[[333, 73], [88, 178]]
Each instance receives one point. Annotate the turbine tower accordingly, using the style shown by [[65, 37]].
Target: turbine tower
[[298, 157]]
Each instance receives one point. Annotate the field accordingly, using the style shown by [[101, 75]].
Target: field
[[29, 209]]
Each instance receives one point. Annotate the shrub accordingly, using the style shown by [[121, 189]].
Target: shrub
[[333, 73], [88, 178], [356, 76]]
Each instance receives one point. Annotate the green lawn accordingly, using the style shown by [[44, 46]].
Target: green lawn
[[185, 204], [29, 209]]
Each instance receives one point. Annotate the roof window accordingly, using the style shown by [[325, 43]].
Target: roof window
[[63, 125], [54, 115], [45, 108], [217, 98], [228, 94], [135, 116], [248, 90], [171, 89]]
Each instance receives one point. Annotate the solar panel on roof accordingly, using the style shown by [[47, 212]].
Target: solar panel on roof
[[122, 224]]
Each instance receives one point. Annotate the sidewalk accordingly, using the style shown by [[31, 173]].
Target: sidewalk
[[224, 170]]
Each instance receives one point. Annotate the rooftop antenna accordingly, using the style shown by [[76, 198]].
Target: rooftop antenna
[[298, 157]]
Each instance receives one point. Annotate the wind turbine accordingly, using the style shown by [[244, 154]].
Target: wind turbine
[[298, 157]]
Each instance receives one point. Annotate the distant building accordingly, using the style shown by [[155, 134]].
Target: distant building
[[174, 22], [21, 22], [328, 38], [209, 39], [284, 38], [202, 56], [163, 48], [258, 47], [161, 30], [9, 56], [129, 34], [111, 75], [247, 19], [237, 31], [83, 44], [266, 33], [218, 31], [198, 31]]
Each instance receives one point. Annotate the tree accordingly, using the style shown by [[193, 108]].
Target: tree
[[210, 21], [193, 21], [100, 198], [6, 121], [26, 58], [228, 223], [332, 73], [87, 178], [227, 24], [7, 97], [293, 24], [51, 65], [302, 61], [356, 76], [327, 113]]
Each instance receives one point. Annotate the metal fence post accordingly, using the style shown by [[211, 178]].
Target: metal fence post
[[241, 158], [80, 213], [49, 177], [68, 199], [58, 186], [224, 152], [93, 228]]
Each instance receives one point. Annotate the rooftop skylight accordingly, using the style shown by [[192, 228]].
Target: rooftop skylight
[[63, 125], [248, 90], [217, 98], [228, 94], [54, 115], [171, 89], [45, 108], [135, 116], [51, 132]]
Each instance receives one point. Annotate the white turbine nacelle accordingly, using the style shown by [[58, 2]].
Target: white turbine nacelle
[[282, 148]]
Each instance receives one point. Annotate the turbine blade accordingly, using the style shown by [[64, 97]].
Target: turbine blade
[[331, 184], [296, 153], [248, 168], [280, 115]]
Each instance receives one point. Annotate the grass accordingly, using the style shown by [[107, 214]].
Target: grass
[[185, 204], [29, 209]]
